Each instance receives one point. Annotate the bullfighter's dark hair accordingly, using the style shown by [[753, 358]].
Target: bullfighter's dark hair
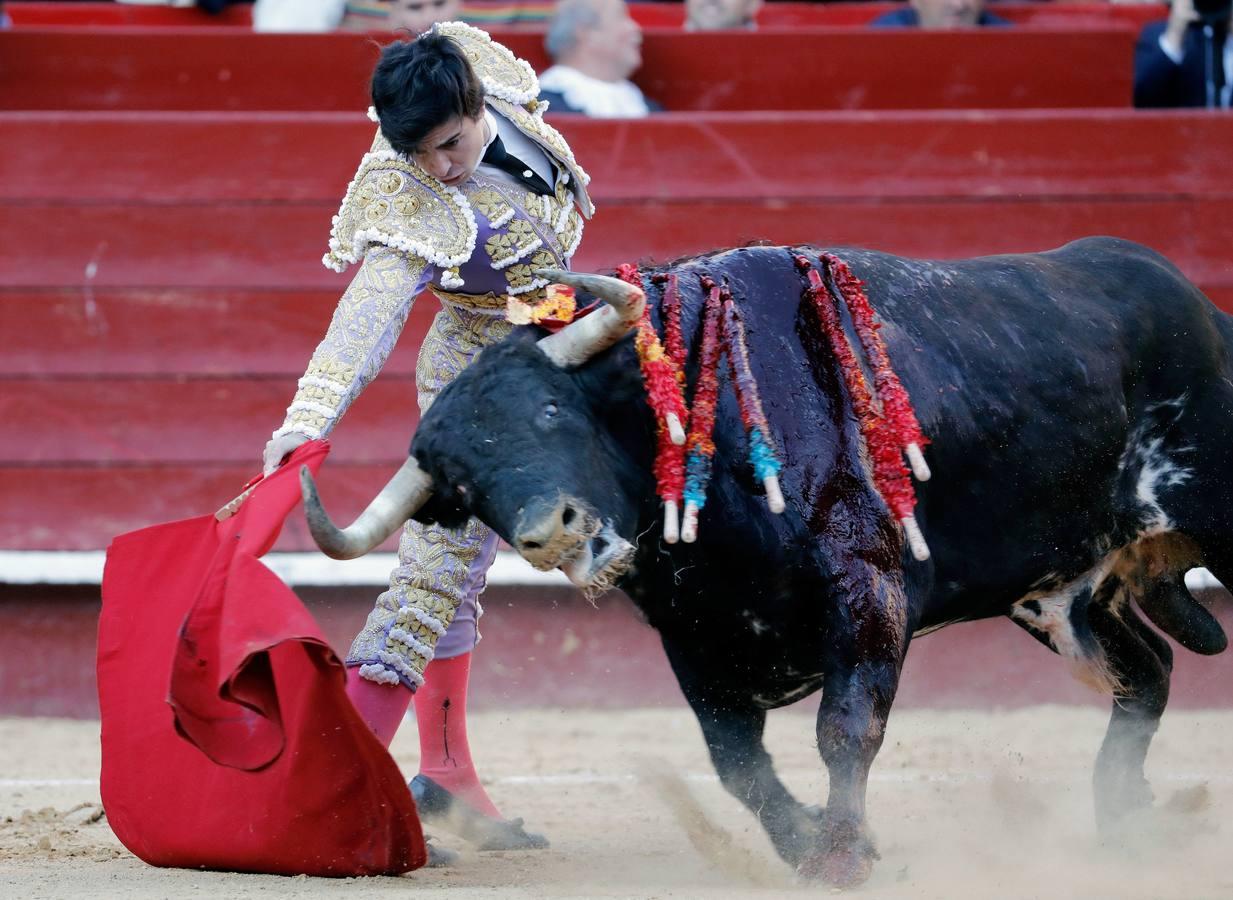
[[420, 85]]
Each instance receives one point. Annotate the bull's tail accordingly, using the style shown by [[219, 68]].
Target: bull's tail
[[1170, 606]]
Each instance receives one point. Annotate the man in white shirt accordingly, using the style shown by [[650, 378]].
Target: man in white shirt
[[719, 15], [595, 47], [417, 16]]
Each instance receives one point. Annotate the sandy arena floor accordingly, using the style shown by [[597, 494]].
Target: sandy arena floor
[[964, 805]]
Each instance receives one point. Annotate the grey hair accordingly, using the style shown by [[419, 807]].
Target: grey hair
[[570, 16]]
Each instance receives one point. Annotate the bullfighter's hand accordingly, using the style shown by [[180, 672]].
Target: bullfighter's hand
[[278, 448]]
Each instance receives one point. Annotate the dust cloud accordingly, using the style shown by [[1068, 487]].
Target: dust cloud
[[962, 805]]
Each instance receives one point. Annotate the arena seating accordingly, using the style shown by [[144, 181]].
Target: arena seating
[[166, 193], [166, 183], [782, 69], [662, 15]]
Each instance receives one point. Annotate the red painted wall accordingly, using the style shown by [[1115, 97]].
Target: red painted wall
[[228, 69], [552, 649]]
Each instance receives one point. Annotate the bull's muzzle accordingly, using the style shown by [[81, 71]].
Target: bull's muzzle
[[551, 532], [564, 533]]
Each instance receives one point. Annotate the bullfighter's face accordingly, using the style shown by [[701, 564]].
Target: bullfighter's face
[[452, 151]]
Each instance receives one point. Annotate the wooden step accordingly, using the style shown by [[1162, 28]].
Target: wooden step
[[773, 68], [108, 421], [178, 331], [194, 333], [653, 15], [302, 157], [230, 245], [83, 507]]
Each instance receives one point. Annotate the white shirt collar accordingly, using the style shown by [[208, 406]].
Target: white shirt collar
[[491, 122], [600, 99]]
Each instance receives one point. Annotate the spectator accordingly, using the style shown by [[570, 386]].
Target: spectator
[[715, 15], [595, 46], [939, 14], [297, 15], [417, 16], [1188, 59], [414, 16]]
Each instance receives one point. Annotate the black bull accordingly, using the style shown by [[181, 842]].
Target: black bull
[[1079, 404]]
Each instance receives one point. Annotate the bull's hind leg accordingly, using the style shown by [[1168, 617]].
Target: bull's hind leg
[[1140, 662], [862, 678], [732, 726], [1177, 486]]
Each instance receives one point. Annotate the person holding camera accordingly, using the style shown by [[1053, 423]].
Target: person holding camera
[[1188, 59]]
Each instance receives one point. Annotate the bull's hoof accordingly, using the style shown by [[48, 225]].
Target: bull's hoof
[[1120, 800], [839, 868], [844, 858]]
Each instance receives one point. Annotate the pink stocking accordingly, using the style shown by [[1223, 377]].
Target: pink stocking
[[441, 714], [382, 706]]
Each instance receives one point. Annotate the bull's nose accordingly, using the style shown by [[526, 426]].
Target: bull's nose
[[551, 531], [539, 531]]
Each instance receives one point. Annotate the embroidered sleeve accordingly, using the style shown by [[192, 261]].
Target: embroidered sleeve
[[392, 202], [365, 327]]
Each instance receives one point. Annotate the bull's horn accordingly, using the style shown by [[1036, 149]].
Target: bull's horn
[[398, 501], [579, 341]]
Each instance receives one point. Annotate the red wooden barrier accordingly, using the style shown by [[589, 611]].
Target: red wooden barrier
[[52, 423], [82, 507], [548, 648], [813, 15], [226, 69], [111, 15], [291, 157], [992, 68], [182, 334], [235, 245], [188, 332], [655, 15]]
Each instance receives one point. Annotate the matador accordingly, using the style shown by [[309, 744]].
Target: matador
[[467, 196]]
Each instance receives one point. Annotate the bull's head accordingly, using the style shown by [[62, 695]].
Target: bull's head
[[528, 439]]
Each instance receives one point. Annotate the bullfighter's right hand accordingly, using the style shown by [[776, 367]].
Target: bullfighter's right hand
[[279, 448]]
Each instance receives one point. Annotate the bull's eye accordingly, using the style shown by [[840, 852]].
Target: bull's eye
[[550, 410], [461, 489]]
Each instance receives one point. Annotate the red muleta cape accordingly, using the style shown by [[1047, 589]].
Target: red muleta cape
[[227, 740]]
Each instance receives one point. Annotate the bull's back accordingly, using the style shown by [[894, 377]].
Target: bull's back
[[1026, 371], [1031, 372]]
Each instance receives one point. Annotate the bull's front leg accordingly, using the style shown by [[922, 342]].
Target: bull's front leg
[[869, 641], [732, 727]]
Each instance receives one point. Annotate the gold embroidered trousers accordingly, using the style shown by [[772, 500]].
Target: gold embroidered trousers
[[432, 605]]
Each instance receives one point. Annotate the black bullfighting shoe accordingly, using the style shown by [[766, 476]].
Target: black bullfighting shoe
[[440, 807], [439, 857]]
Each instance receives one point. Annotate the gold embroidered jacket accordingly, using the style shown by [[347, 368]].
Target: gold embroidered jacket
[[475, 246]]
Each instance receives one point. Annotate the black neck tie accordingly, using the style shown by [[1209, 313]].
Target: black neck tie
[[497, 157]]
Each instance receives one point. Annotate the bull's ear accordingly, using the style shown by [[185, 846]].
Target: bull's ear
[[444, 509]]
